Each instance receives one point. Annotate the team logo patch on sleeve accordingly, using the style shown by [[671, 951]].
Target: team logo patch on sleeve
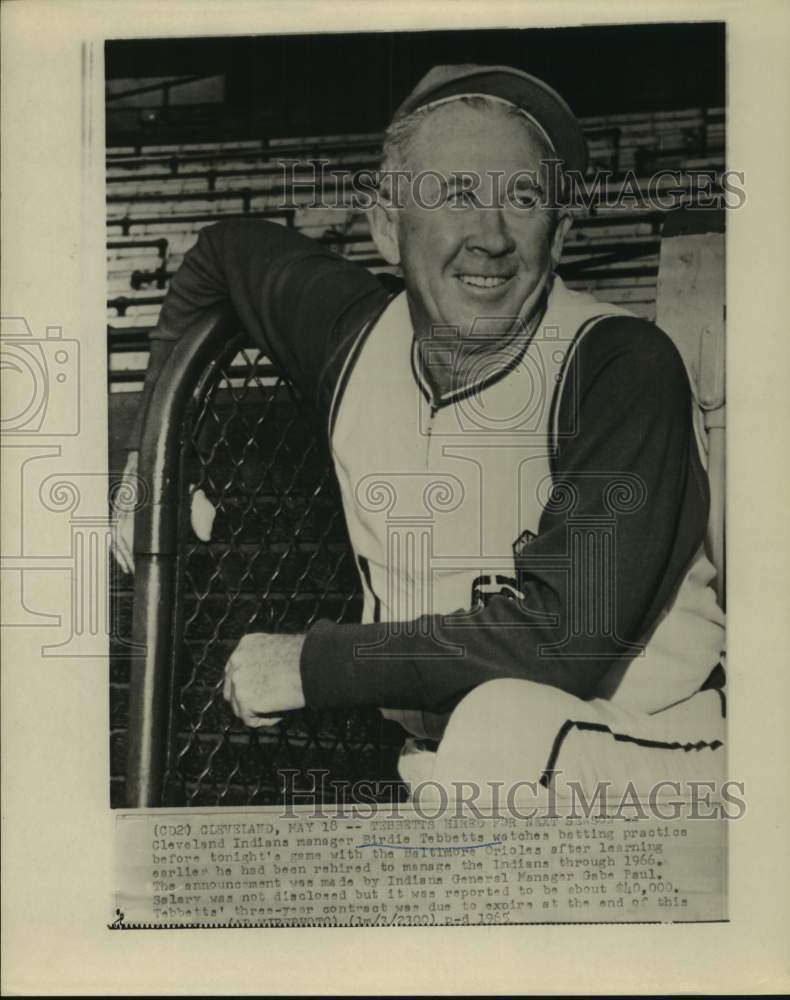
[[490, 585]]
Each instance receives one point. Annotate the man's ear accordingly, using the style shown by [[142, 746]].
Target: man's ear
[[383, 222], [564, 223]]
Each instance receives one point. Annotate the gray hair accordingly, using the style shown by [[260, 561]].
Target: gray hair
[[400, 135]]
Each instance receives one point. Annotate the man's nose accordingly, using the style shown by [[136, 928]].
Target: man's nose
[[489, 232]]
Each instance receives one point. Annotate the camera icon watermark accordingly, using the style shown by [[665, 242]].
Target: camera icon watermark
[[40, 381]]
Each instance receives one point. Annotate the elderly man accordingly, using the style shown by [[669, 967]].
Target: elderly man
[[518, 463]]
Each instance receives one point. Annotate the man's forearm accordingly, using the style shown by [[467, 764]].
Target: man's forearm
[[428, 663], [297, 301]]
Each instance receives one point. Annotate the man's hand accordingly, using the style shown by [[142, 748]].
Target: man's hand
[[262, 676]]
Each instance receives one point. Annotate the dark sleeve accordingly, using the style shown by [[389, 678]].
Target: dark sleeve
[[627, 469], [296, 299]]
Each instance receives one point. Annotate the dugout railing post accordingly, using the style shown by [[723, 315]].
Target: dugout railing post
[[157, 602]]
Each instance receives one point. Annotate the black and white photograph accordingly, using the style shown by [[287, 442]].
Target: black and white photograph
[[393, 498], [416, 379]]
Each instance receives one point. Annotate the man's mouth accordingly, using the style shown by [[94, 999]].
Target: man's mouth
[[484, 281]]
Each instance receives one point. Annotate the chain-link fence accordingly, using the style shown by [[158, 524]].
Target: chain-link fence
[[277, 558]]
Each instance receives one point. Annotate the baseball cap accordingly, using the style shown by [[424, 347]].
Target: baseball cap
[[540, 101]]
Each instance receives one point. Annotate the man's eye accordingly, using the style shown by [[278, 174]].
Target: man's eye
[[523, 199], [461, 199]]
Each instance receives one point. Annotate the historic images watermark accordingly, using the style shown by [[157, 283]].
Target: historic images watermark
[[320, 184], [469, 801]]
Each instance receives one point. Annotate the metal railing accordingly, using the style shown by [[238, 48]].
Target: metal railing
[[278, 558]]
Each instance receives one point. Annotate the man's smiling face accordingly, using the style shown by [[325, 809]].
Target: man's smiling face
[[482, 254]]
